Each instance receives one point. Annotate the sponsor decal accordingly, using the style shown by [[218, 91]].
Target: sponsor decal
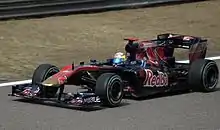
[[61, 80], [158, 80], [91, 99]]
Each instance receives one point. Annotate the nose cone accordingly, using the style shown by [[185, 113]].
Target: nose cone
[[52, 82]]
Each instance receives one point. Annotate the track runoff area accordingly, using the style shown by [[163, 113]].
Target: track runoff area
[[29, 80]]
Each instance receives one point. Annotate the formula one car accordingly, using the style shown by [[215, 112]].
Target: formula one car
[[150, 68]]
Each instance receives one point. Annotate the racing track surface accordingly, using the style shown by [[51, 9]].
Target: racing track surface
[[187, 111]]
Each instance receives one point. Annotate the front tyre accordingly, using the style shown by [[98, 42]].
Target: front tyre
[[109, 87], [203, 75], [41, 73]]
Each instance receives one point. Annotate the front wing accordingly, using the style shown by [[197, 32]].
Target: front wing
[[79, 99]]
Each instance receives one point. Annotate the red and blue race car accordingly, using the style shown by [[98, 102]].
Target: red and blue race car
[[147, 68]]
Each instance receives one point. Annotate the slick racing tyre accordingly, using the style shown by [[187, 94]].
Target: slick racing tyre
[[109, 87], [203, 75], [41, 73]]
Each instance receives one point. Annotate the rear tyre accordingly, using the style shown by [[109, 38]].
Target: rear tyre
[[203, 75], [109, 87], [41, 73]]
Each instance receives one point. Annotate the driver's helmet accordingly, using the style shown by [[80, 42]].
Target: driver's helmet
[[119, 58]]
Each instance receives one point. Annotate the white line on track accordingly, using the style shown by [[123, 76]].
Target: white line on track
[[210, 58], [29, 81], [15, 83]]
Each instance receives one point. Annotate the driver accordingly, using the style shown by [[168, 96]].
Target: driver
[[121, 58]]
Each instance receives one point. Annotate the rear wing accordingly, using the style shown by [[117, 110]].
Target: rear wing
[[181, 41], [197, 45]]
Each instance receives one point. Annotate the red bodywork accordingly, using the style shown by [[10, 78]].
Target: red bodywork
[[68, 73], [151, 53]]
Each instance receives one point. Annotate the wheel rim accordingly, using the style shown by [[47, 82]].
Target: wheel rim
[[211, 77], [115, 91]]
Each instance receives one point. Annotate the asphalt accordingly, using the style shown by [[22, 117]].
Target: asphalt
[[185, 111]]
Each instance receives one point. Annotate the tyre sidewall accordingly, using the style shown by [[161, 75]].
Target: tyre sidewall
[[210, 65], [114, 79], [198, 74], [104, 86]]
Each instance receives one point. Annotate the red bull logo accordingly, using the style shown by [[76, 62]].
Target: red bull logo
[[152, 80]]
